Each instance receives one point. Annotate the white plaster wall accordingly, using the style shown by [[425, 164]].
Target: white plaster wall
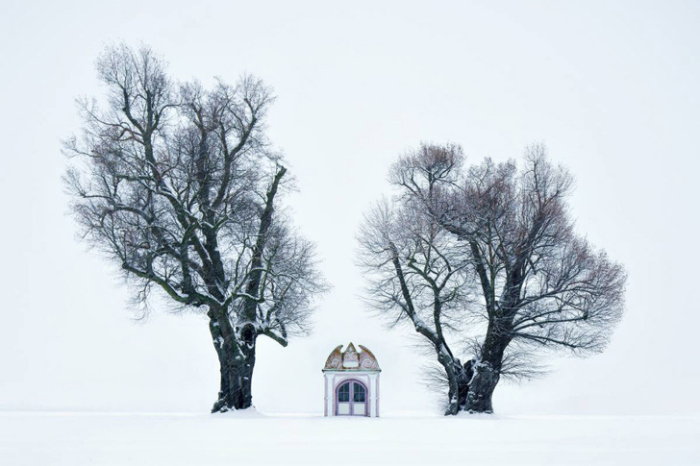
[[333, 379]]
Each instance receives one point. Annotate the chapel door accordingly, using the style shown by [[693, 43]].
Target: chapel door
[[359, 397], [352, 399]]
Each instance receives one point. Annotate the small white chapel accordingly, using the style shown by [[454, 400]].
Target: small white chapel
[[351, 381]]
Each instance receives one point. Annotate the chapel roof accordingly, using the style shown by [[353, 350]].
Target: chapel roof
[[351, 359]]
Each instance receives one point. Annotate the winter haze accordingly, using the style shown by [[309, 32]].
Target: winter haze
[[610, 87]]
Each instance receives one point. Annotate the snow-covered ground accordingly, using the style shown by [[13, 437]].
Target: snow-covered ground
[[193, 439]]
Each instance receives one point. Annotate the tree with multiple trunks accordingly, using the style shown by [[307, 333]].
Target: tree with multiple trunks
[[488, 255], [179, 186]]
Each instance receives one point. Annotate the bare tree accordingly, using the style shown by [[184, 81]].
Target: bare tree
[[419, 274], [180, 187], [493, 246]]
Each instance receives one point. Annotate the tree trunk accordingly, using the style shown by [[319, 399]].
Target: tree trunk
[[487, 370], [236, 363], [481, 388], [235, 391], [458, 382]]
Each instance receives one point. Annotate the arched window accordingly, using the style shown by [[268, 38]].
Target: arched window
[[351, 399]]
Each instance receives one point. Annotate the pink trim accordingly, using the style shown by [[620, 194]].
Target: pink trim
[[325, 396], [352, 403], [377, 402]]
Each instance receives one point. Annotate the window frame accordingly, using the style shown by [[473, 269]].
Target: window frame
[[350, 384]]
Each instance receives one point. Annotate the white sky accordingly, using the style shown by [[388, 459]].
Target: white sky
[[610, 87]]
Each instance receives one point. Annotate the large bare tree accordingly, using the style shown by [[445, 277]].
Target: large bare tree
[[488, 253], [179, 185]]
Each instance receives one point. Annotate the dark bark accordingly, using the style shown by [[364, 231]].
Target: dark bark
[[237, 362], [235, 391], [458, 381], [487, 370], [468, 373], [481, 388]]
